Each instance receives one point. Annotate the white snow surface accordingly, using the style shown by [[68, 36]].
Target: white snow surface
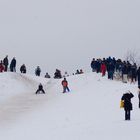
[[90, 111]]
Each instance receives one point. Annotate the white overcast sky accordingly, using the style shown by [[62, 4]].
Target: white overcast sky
[[67, 34]]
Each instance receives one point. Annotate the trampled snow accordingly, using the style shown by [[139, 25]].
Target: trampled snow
[[89, 111]]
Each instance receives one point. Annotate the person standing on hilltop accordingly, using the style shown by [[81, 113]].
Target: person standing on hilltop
[[6, 63], [1, 66], [37, 71], [13, 65], [103, 69]]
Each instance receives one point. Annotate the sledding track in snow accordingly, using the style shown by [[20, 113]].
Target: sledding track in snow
[[17, 104]]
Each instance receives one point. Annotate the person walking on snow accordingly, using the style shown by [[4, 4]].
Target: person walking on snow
[[127, 104], [65, 85]]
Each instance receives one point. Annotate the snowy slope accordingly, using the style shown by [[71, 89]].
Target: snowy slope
[[90, 111], [12, 84]]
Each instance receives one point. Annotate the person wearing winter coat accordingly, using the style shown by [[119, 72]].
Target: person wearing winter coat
[[40, 89], [57, 74], [93, 65], [65, 85], [1, 67], [103, 69], [133, 73], [6, 63], [37, 71], [23, 69], [77, 72], [98, 65], [13, 65], [127, 104], [138, 75], [47, 75], [124, 72], [110, 70]]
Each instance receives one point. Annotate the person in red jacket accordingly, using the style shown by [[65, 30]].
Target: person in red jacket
[[1, 67], [103, 69], [65, 85]]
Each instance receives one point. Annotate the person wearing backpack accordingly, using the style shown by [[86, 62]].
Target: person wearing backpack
[[127, 104], [65, 85]]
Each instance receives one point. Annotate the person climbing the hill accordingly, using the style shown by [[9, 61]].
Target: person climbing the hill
[[127, 104], [65, 85], [40, 89]]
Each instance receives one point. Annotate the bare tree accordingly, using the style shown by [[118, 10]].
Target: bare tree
[[132, 56]]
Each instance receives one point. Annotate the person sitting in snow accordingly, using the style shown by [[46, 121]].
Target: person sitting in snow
[[47, 75], [57, 74], [40, 89], [23, 69]]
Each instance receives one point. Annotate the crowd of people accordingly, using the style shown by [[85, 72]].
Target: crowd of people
[[116, 68]]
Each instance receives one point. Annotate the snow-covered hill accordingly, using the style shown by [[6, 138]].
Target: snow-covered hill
[[89, 111]]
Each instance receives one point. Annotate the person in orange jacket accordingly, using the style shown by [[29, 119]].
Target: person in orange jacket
[[103, 69], [65, 85]]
